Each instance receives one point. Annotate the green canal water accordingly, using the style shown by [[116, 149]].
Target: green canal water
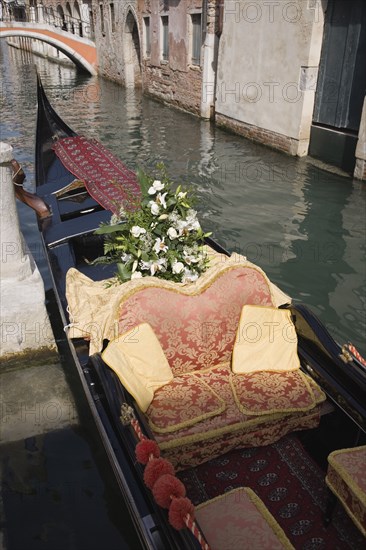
[[304, 225]]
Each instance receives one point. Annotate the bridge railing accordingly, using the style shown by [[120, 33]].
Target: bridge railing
[[12, 11]]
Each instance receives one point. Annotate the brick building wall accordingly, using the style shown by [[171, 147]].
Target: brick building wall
[[127, 56]]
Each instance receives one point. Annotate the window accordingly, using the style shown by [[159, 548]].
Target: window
[[101, 18], [196, 38], [113, 17], [91, 23], [165, 38], [147, 36]]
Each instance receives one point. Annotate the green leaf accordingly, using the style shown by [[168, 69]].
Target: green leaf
[[106, 229], [124, 272], [144, 181]]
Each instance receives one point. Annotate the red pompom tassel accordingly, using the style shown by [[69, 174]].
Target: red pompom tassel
[[166, 488], [156, 468], [146, 448], [179, 509]]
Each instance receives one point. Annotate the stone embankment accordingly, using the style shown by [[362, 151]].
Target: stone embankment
[[35, 398], [34, 395]]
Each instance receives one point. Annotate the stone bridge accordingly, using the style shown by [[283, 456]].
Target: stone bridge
[[71, 36]]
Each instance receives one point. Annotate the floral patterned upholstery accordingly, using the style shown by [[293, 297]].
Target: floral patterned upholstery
[[197, 331], [206, 409], [233, 427], [239, 519], [271, 392], [183, 402], [346, 478]]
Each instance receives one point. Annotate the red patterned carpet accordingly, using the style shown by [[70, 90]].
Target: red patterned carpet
[[289, 483], [106, 178]]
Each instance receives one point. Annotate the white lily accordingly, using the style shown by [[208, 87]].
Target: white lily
[[160, 199], [192, 222], [159, 245], [190, 258], [136, 275], [156, 186], [136, 230], [182, 227], [145, 266], [158, 265], [182, 195], [172, 233]]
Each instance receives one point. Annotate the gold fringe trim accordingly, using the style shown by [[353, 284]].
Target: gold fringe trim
[[344, 474], [192, 289], [347, 509], [277, 529], [232, 428]]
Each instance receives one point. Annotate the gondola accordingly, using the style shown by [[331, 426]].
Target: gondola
[[68, 235]]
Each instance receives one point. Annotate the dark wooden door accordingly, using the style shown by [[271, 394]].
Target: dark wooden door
[[342, 71]]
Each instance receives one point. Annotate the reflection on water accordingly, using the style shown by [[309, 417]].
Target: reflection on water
[[304, 226]]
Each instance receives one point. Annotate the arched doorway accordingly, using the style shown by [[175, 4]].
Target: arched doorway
[[77, 15], [70, 19], [132, 52], [61, 18]]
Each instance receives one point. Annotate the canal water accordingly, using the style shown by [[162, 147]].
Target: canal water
[[303, 224]]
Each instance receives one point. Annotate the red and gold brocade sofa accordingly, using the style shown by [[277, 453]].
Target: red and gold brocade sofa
[[207, 409]]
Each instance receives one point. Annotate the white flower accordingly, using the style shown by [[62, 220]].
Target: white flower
[[172, 233], [155, 209], [160, 199], [134, 266], [182, 227], [190, 258], [162, 217], [177, 267], [136, 275], [191, 214], [192, 222], [189, 276], [146, 241], [156, 186], [158, 265], [136, 230], [145, 266], [182, 195], [126, 257], [159, 245], [173, 217]]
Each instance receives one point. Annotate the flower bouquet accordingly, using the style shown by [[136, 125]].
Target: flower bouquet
[[160, 237]]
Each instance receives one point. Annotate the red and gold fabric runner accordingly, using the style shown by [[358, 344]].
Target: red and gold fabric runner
[[106, 178]]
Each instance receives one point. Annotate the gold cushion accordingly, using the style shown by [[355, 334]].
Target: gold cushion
[[265, 341], [139, 361]]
